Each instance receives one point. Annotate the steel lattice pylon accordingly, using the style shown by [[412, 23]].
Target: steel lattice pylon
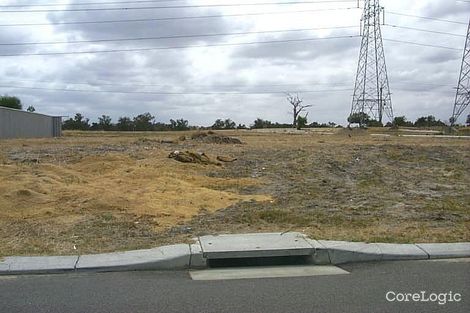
[[372, 91], [462, 98]]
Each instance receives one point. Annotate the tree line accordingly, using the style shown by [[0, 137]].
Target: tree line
[[398, 121], [141, 122], [147, 122]]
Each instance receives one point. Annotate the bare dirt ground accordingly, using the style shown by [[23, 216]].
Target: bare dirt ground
[[97, 192]]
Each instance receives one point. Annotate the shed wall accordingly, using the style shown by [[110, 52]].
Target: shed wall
[[21, 124]]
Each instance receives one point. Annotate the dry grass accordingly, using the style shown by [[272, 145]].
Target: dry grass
[[50, 187], [94, 192]]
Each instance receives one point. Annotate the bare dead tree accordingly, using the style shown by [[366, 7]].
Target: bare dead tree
[[297, 107]]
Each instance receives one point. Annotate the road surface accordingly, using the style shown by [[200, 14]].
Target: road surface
[[363, 290]]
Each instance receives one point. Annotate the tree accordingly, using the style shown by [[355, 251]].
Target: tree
[[401, 121], [77, 123], [31, 109], [161, 126], [144, 122], [104, 122], [260, 123], [375, 123], [125, 124], [218, 124], [360, 118], [10, 102], [428, 121], [227, 124], [180, 124], [301, 122], [297, 107]]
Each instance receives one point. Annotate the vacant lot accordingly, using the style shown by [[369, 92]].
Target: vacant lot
[[95, 192]]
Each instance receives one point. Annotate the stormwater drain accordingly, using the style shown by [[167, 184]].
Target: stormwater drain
[[260, 261], [259, 256], [256, 272]]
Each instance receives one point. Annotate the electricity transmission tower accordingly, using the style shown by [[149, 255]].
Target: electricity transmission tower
[[372, 91], [462, 98]]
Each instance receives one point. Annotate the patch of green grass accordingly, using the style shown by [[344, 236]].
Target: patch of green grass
[[373, 178], [107, 216], [275, 216], [278, 216]]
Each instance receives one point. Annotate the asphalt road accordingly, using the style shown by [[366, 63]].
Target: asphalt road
[[363, 290]]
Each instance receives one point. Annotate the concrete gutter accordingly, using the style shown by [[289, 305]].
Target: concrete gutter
[[193, 256]]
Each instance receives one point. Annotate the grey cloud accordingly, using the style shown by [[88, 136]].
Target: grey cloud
[[296, 51], [316, 65], [446, 9], [16, 36], [144, 29], [442, 56]]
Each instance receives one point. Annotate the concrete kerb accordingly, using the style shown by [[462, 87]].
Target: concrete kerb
[[37, 265], [446, 250], [197, 259], [393, 252], [320, 254], [175, 257], [341, 252], [162, 258], [190, 256]]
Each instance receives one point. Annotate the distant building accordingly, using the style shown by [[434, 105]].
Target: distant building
[[22, 124]]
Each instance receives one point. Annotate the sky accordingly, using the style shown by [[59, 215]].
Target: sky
[[309, 48]]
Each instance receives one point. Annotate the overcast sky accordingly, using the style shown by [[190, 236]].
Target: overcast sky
[[422, 79]]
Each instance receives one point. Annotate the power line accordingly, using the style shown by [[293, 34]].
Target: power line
[[173, 6], [173, 36], [217, 45], [166, 85], [133, 85], [421, 84], [173, 93], [174, 18], [179, 47], [169, 93], [110, 2], [424, 30], [421, 44], [427, 18], [83, 3]]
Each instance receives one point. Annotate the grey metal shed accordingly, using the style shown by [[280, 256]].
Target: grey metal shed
[[23, 124]]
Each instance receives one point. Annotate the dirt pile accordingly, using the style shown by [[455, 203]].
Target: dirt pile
[[193, 157], [211, 137], [199, 158]]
